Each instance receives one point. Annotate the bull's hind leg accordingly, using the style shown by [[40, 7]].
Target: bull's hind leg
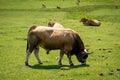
[[27, 57], [36, 50]]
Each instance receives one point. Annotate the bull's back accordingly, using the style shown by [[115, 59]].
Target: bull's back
[[54, 38]]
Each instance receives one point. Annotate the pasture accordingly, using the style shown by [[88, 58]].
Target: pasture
[[16, 16]]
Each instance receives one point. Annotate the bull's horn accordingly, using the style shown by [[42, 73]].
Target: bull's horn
[[89, 52]]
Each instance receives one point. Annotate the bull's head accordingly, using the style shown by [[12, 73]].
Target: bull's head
[[83, 20], [51, 24], [82, 57]]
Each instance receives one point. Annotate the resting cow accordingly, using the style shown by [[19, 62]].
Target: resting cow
[[55, 24], [65, 40], [90, 22]]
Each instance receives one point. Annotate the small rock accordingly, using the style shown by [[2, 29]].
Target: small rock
[[65, 68]]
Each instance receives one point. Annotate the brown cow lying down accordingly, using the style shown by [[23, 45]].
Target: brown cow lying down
[[65, 40], [90, 22], [55, 24]]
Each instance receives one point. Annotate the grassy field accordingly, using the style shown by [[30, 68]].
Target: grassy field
[[16, 16]]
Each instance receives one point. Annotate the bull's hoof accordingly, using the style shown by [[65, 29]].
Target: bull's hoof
[[40, 63], [71, 64], [26, 64], [84, 63], [60, 64], [47, 52]]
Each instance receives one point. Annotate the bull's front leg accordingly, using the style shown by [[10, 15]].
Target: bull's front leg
[[69, 58], [60, 58], [36, 50]]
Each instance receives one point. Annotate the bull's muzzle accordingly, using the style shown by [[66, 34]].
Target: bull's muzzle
[[84, 56]]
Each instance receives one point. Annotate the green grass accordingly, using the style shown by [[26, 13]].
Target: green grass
[[16, 16]]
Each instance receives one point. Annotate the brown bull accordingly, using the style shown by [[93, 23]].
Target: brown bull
[[66, 40]]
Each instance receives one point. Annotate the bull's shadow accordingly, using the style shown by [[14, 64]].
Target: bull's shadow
[[38, 66]]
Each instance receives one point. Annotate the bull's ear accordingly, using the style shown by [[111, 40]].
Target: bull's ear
[[89, 52]]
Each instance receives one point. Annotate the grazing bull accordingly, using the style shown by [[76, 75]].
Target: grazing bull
[[90, 22], [55, 24], [66, 40]]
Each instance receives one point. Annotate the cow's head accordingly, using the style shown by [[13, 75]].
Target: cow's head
[[51, 24], [82, 56], [83, 20]]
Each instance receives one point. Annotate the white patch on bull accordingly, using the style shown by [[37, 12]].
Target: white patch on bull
[[85, 50]]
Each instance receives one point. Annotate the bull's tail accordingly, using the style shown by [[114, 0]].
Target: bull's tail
[[32, 43], [27, 47], [29, 41]]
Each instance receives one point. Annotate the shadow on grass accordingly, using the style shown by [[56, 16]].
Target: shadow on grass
[[38, 66], [78, 66]]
